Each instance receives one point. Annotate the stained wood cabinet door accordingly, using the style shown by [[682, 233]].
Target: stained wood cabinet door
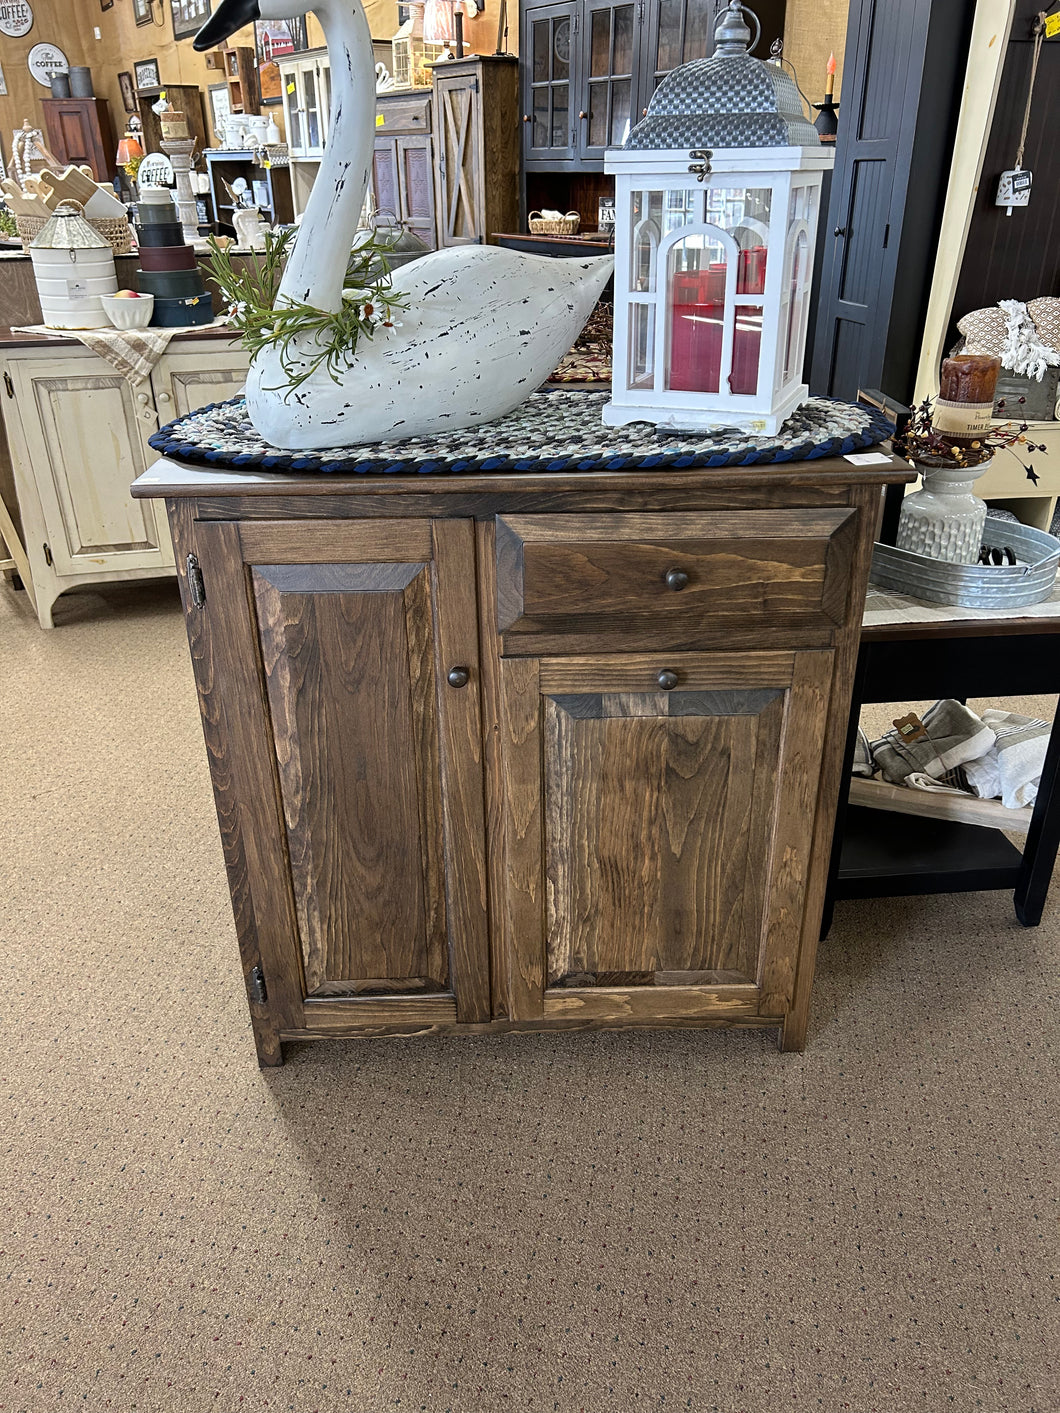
[[656, 818], [342, 712]]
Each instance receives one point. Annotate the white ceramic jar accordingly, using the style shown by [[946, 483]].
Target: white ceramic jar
[[73, 266]]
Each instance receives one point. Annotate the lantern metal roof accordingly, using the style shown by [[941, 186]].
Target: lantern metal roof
[[728, 100], [67, 229]]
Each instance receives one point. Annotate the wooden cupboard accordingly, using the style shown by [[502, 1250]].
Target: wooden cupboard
[[503, 752], [476, 139], [77, 432], [79, 132]]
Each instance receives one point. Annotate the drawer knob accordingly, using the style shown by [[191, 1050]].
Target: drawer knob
[[667, 680], [676, 579], [458, 677]]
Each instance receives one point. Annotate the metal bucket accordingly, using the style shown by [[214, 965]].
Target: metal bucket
[[1001, 586]]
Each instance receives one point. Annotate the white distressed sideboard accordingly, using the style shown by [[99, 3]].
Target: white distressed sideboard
[[77, 433]]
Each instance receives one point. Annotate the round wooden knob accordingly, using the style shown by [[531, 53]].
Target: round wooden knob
[[526, 117], [676, 579], [667, 680], [583, 114], [458, 677]]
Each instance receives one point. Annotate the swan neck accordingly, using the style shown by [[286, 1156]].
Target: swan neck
[[317, 265]]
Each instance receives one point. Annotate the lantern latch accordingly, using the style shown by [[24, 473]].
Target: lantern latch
[[700, 163]]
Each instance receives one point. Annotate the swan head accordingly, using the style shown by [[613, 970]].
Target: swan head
[[231, 15]]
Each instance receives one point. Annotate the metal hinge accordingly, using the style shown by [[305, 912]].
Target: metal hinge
[[196, 587], [474, 85], [9, 384], [259, 992], [48, 554]]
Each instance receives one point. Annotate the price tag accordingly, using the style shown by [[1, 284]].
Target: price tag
[[380, 119], [1021, 181], [290, 87], [1052, 26]]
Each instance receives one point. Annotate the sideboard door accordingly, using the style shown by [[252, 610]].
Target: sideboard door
[[338, 678], [657, 815]]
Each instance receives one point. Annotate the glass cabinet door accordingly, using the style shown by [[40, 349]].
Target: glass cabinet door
[[548, 119], [292, 113], [610, 42], [314, 131], [680, 31]]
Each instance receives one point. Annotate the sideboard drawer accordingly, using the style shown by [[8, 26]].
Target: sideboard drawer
[[403, 115], [694, 573]]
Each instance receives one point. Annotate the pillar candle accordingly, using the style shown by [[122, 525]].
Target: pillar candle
[[965, 403]]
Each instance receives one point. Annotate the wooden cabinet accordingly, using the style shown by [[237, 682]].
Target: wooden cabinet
[[476, 138], [187, 99], [403, 161], [78, 434], [525, 752], [305, 82], [80, 133]]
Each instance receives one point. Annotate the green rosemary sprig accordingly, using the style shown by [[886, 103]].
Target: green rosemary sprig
[[369, 302]]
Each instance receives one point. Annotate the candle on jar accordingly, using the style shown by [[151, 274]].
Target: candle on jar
[[965, 403], [829, 86]]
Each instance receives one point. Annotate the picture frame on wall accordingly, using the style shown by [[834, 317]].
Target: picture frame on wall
[[143, 12], [146, 75], [128, 91], [220, 109], [189, 16], [274, 40]]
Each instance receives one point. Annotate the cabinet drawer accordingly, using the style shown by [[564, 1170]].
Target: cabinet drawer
[[404, 115], [670, 578]]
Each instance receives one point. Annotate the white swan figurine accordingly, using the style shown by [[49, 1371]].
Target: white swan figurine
[[482, 327]]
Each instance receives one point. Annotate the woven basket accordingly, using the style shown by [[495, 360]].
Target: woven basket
[[566, 225], [112, 228]]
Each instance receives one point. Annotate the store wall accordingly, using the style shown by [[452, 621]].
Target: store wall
[[71, 25], [52, 24], [813, 29]]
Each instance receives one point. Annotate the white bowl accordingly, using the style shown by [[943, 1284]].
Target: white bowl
[[129, 313]]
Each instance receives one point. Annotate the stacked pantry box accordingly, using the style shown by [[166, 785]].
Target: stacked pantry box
[[168, 268]]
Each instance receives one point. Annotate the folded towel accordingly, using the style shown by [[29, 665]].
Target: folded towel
[[952, 735], [1012, 767]]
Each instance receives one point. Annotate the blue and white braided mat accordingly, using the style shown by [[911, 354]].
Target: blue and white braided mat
[[557, 430]]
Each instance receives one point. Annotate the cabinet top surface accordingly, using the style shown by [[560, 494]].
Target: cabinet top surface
[[12, 339], [169, 477]]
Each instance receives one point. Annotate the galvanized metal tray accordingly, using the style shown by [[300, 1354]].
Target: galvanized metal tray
[[975, 585]]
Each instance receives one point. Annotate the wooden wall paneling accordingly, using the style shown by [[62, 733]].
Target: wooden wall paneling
[[1017, 256], [52, 24]]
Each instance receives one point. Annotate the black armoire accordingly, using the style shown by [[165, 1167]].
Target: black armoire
[[902, 80]]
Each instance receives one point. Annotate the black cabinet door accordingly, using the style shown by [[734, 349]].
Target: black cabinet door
[[608, 62], [550, 70], [901, 81]]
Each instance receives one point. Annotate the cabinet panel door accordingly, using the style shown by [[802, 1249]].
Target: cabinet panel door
[[85, 440], [385, 176], [185, 381], [657, 842], [377, 826], [551, 82], [610, 42], [415, 158], [458, 134]]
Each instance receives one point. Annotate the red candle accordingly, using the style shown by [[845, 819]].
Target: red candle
[[829, 87]]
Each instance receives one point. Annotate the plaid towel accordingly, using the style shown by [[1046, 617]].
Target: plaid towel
[[952, 737], [132, 352], [1012, 767]]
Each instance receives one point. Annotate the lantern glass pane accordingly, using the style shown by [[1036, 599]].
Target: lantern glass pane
[[645, 251], [696, 277], [641, 346], [741, 211], [798, 291], [802, 205], [746, 348]]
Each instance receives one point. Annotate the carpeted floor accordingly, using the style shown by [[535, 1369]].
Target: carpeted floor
[[565, 1223]]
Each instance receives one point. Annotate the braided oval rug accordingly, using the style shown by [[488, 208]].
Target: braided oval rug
[[554, 430]]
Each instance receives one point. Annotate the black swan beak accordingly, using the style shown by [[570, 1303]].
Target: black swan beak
[[229, 16]]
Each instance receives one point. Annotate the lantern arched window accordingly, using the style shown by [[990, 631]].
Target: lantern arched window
[[717, 196]]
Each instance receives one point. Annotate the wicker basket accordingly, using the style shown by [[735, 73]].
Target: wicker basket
[[112, 228], [566, 225]]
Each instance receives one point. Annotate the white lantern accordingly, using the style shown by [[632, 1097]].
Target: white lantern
[[717, 197], [73, 266]]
